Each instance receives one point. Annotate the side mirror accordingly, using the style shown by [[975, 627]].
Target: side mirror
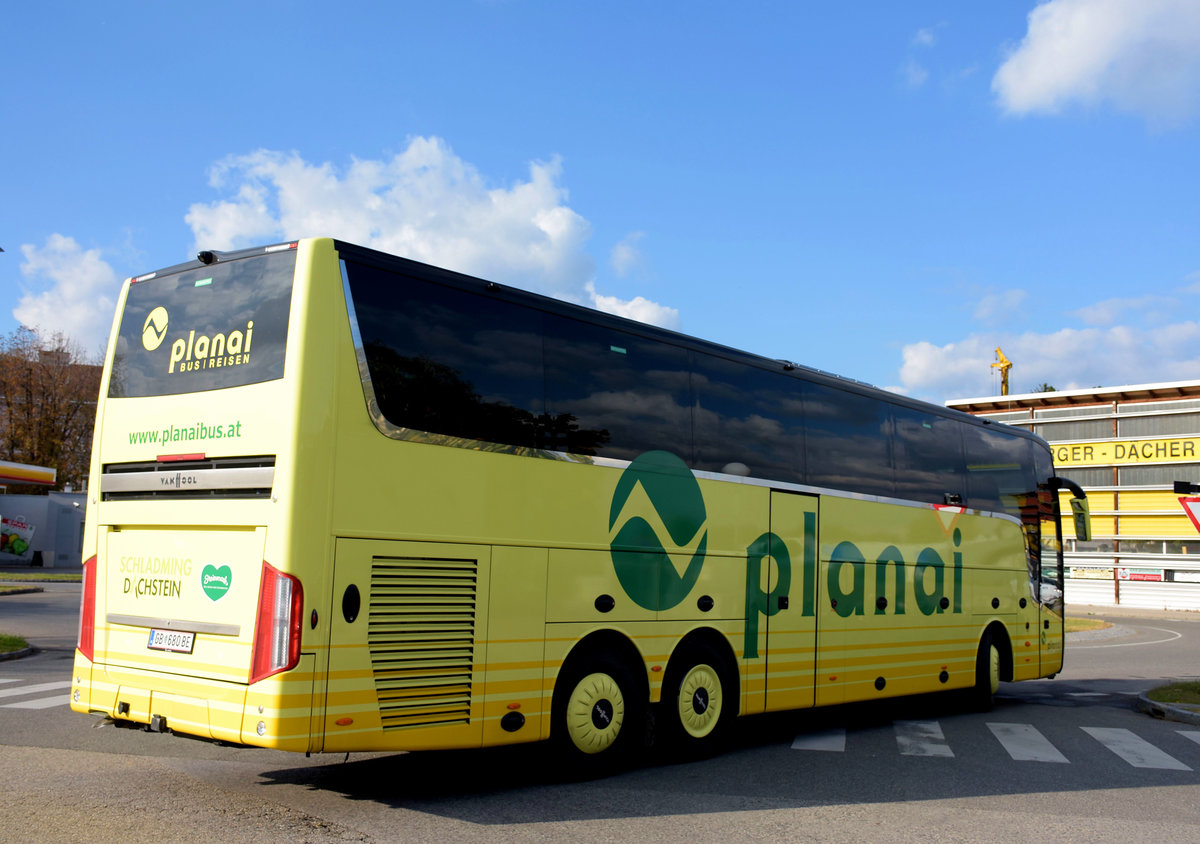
[[1082, 514], [1080, 509]]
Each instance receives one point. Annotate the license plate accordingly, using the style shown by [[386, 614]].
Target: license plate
[[175, 641]]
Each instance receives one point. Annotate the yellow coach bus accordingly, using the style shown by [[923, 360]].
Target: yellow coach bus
[[343, 501]]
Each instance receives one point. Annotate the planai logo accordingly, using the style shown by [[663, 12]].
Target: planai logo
[[657, 528], [154, 329]]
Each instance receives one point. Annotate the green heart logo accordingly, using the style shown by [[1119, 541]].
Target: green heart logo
[[215, 581]]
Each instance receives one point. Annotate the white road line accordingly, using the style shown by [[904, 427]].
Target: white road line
[[1171, 637], [10, 679], [921, 738], [832, 741], [1025, 744], [40, 703], [1194, 735], [1087, 694], [32, 690], [1135, 750]]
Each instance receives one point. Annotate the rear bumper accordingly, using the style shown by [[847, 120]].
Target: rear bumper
[[275, 713]]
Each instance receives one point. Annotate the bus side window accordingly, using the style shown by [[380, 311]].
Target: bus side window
[[747, 421], [1000, 470], [929, 457], [614, 394], [448, 361], [847, 440]]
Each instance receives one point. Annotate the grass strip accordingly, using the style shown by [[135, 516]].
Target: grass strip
[[1079, 625], [11, 643], [1186, 692], [42, 577]]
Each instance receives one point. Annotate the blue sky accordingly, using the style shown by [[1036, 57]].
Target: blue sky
[[883, 190]]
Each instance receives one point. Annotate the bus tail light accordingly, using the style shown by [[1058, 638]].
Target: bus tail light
[[87, 611], [277, 626]]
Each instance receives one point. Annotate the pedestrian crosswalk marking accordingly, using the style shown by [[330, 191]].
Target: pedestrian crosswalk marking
[[1194, 735], [59, 699], [1133, 749], [833, 741], [921, 738], [1022, 742], [1025, 744], [39, 687], [40, 703]]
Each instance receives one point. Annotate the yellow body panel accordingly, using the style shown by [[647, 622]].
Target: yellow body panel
[[1142, 500], [1157, 526]]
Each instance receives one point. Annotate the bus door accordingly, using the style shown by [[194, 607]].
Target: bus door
[[1050, 584], [787, 598]]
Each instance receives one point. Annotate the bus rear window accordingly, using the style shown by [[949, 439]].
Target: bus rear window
[[206, 328]]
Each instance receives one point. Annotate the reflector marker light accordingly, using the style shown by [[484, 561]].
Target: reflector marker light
[[179, 458]]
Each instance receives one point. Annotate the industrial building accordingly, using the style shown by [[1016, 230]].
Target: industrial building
[[1126, 446]]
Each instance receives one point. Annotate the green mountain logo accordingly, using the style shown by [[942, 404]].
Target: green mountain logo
[[657, 527]]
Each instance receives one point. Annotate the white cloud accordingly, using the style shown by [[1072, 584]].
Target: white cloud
[[1143, 56], [924, 38], [69, 290], [1067, 359], [639, 308], [1150, 309], [626, 256], [424, 203], [1000, 306], [914, 74]]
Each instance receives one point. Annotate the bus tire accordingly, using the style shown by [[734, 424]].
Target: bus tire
[[698, 700], [987, 674], [599, 715]]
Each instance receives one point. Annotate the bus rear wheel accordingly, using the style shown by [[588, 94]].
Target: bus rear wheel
[[697, 700], [599, 715]]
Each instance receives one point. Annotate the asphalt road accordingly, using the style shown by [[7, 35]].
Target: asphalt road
[[1063, 759]]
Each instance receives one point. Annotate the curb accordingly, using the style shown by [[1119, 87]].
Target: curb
[[16, 654], [1167, 711]]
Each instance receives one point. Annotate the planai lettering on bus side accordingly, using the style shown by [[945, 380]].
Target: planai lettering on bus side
[[657, 491]]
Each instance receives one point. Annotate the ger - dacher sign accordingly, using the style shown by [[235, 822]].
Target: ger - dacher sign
[[1178, 450]]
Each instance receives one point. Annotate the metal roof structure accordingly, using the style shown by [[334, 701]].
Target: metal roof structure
[[1090, 396]]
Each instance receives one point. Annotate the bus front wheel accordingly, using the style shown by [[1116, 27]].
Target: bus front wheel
[[987, 674]]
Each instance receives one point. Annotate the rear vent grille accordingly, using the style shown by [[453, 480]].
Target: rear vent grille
[[421, 631], [216, 477]]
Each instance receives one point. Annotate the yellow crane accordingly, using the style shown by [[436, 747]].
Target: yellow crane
[[1003, 364]]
